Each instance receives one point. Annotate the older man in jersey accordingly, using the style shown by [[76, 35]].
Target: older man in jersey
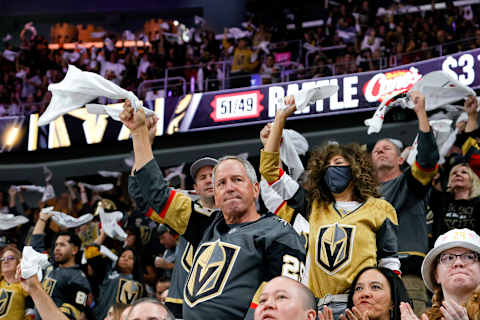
[[237, 249]]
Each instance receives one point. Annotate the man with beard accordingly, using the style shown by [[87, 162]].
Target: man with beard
[[63, 281]]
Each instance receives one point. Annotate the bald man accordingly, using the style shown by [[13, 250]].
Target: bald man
[[285, 299]]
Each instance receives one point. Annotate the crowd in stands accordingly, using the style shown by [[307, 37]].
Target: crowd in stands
[[360, 234], [96, 271], [354, 37]]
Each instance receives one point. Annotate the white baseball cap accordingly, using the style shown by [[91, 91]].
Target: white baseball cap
[[463, 238]]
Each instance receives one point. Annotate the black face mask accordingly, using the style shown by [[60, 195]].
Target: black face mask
[[337, 178]]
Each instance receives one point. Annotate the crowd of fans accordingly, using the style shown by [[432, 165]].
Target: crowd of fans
[[448, 196], [370, 216], [354, 37]]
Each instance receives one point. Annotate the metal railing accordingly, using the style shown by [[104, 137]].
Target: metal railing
[[289, 71], [165, 84]]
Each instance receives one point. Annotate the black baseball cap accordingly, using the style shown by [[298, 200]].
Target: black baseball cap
[[200, 163]]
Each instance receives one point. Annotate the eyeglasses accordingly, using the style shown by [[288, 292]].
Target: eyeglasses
[[8, 258], [449, 258]]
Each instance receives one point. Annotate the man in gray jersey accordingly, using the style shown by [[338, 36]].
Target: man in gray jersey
[[237, 249], [407, 193]]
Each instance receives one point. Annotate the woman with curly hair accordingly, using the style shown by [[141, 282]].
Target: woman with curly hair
[[350, 227], [459, 206]]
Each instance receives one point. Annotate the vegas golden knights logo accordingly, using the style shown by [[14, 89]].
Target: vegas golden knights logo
[[128, 291], [213, 263], [187, 257], [5, 301], [145, 234], [334, 247], [48, 285]]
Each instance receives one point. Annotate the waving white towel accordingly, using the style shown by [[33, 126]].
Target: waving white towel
[[9, 221], [109, 222], [439, 89], [66, 221], [293, 144], [78, 88], [32, 263], [98, 187], [109, 174], [114, 113], [48, 191]]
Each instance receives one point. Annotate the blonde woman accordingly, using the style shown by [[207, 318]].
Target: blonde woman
[[459, 206], [11, 292]]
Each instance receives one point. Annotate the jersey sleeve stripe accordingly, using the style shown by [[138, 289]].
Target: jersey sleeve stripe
[[167, 205], [280, 174], [280, 207]]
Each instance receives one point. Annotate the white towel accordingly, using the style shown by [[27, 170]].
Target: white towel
[[110, 225], [33, 263], [78, 88], [292, 146], [114, 113], [9, 221], [439, 89], [174, 172], [48, 191], [109, 174], [66, 221], [98, 187]]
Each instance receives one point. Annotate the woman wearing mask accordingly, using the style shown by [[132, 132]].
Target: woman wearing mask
[[350, 227]]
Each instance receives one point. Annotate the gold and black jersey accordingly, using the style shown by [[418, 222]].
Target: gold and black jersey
[[68, 287], [117, 288], [12, 301], [231, 262], [183, 263], [339, 243]]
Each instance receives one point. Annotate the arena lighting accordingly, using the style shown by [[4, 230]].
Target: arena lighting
[[175, 23], [99, 44], [12, 136]]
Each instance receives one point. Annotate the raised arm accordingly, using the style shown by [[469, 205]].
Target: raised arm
[[471, 106], [149, 189], [43, 302], [275, 131], [136, 122], [426, 162], [419, 101], [41, 223]]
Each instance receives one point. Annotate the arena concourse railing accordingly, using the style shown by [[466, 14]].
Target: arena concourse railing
[[289, 70]]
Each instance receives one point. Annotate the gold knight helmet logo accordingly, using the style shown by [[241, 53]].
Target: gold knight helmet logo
[[334, 247], [212, 265], [5, 301], [128, 291], [187, 257]]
